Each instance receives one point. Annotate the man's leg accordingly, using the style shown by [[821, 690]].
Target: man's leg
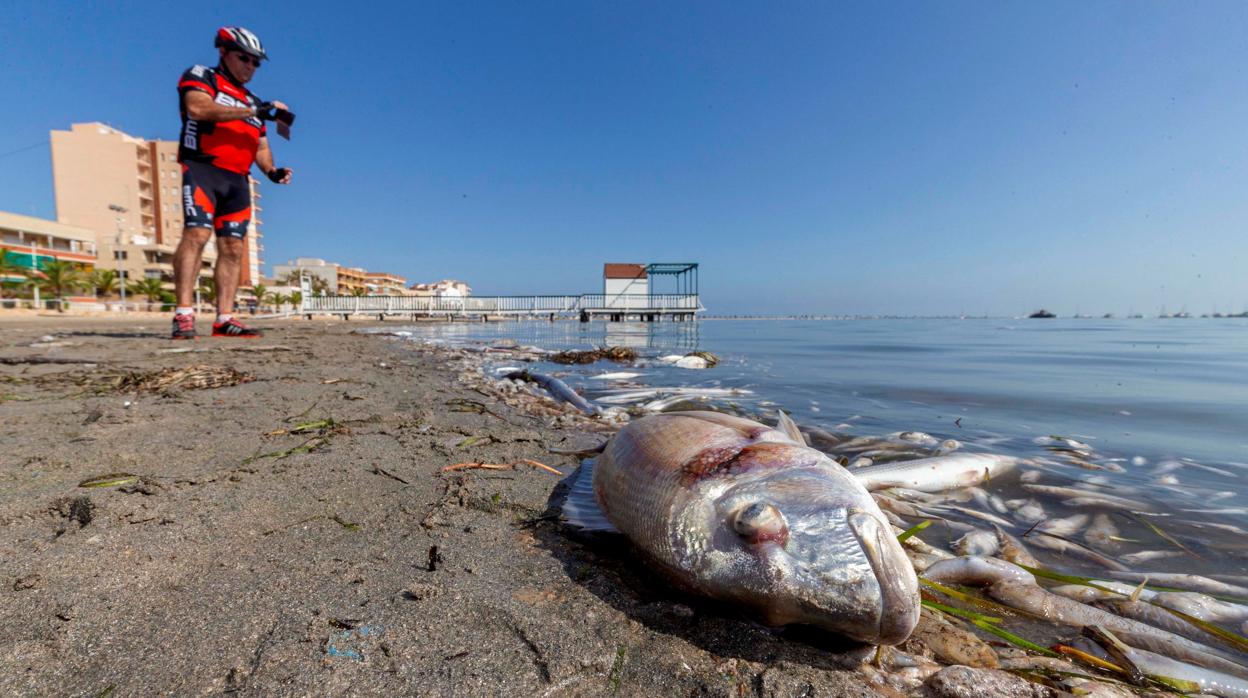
[[229, 266], [187, 261]]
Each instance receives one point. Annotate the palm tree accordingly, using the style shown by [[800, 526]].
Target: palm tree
[[259, 291], [359, 291], [208, 289], [296, 297], [11, 273], [279, 300], [152, 288], [104, 281], [58, 277]]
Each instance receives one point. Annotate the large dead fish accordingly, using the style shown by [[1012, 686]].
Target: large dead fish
[[744, 513]]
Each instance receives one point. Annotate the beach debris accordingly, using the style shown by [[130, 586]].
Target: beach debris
[[344, 523], [694, 359], [558, 390], [460, 404], [434, 559], [378, 470], [476, 441], [767, 539], [339, 644], [197, 377], [320, 426], [110, 480], [80, 510], [616, 354], [475, 465], [20, 360], [309, 446], [25, 582]]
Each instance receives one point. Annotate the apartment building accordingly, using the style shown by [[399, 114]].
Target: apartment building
[[32, 242], [128, 191], [351, 280], [380, 283]]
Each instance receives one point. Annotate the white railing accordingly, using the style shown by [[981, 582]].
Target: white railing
[[515, 305]]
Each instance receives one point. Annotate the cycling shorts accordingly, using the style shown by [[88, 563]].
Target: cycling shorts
[[216, 198]]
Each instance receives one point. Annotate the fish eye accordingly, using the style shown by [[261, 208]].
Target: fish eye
[[761, 522]]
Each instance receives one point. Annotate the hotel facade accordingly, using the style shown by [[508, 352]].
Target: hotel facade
[[128, 191]]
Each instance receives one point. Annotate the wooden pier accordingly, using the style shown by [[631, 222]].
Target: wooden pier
[[586, 307]]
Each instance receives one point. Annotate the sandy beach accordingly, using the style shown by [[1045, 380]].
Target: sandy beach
[[272, 517]]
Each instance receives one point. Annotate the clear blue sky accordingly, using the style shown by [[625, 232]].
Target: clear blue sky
[[911, 158]]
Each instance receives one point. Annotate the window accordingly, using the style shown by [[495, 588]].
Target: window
[[119, 254]]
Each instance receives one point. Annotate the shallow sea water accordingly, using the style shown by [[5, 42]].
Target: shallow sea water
[[1162, 404]]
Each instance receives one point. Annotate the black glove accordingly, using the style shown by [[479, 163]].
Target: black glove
[[277, 174], [265, 111]]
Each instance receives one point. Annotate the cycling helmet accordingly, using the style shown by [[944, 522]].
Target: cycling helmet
[[239, 39]]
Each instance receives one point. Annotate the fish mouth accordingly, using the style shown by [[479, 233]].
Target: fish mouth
[[899, 587]]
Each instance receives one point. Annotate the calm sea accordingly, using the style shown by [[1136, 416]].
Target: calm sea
[[1162, 403]]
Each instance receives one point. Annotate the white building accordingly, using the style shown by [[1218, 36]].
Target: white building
[[625, 285], [310, 266], [446, 288]]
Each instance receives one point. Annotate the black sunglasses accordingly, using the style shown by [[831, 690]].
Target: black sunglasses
[[246, 58]]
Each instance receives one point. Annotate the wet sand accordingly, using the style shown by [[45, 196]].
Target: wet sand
[[244, 554]]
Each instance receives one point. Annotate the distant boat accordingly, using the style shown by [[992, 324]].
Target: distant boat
[[1108, 316], [1042, 313]]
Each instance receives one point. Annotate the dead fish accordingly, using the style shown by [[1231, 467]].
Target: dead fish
[[977, 542], [946, 446], [1013, 550], [740, 512], [1188, 582], [1029, 512], [1088, 497], [1066, 547], [938, 472], [1150, 555], [976, 514], [616, 376], [987, 500], [1066, 527], [1102, 534], [558, 390]]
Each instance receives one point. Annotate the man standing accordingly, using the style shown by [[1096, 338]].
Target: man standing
[[223, 133]]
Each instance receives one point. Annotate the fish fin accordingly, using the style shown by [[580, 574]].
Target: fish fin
[[581, 508], [786, 425]]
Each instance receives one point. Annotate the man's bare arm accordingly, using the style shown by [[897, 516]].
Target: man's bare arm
[[264, 158], [200, 107]]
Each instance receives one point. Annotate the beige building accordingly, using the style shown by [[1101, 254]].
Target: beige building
[[350, 279], [381, 283], [32, 242], [128, 190]]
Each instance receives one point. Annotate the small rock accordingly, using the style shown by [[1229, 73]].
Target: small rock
[[965, 682], [30, 581]]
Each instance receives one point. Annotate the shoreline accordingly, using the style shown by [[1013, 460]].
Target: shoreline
[[291, 531]]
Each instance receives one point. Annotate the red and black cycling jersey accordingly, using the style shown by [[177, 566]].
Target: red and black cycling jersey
[[230, 145]]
